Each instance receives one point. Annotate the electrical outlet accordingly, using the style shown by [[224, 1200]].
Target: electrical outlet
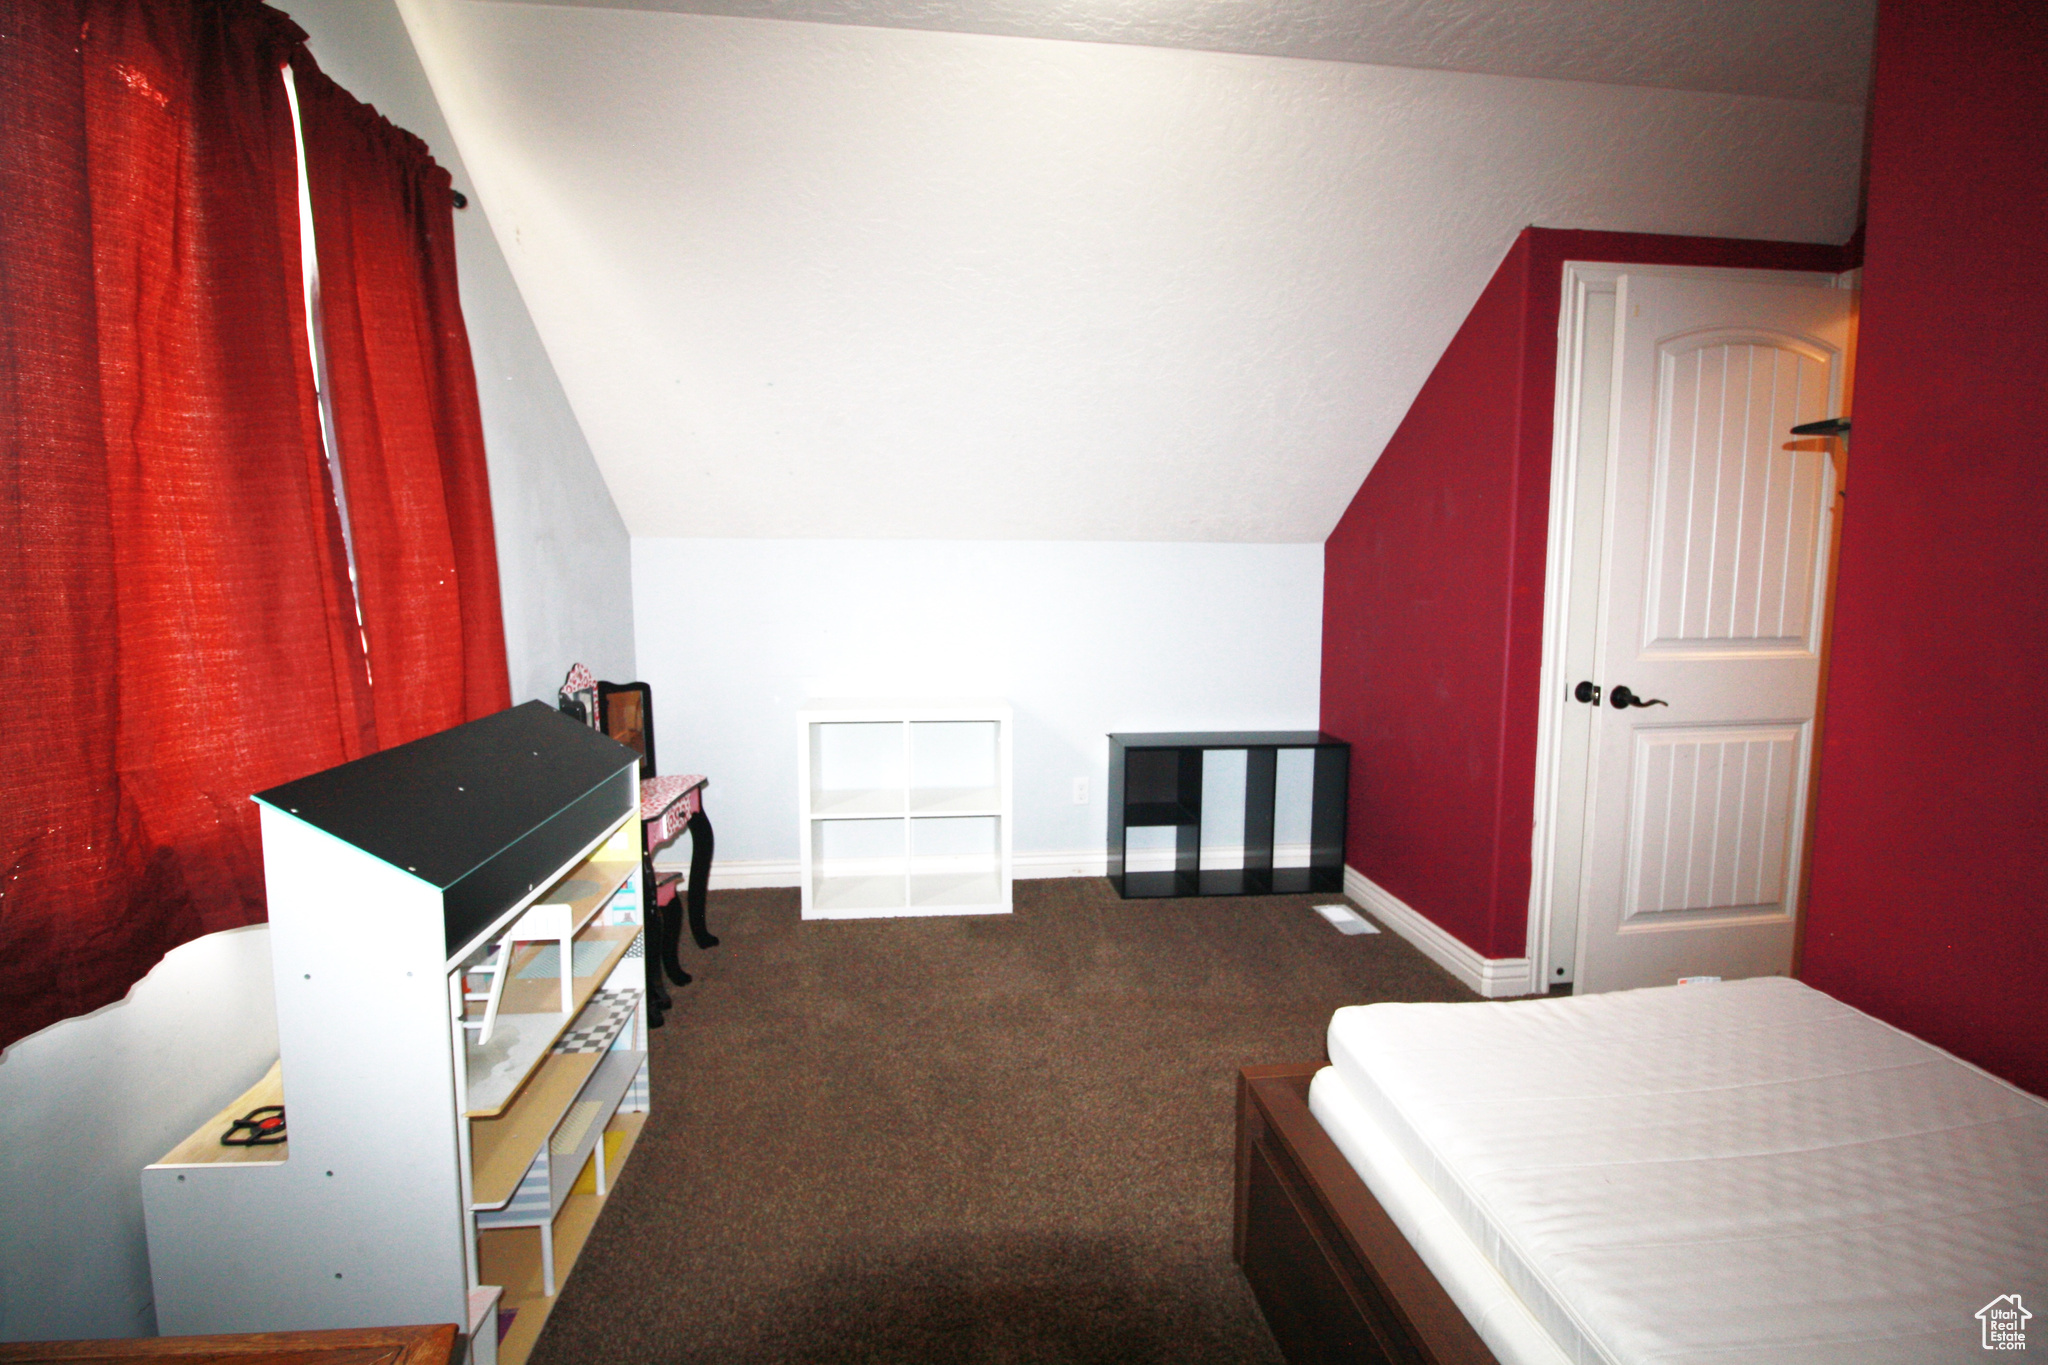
[[1080, 791]]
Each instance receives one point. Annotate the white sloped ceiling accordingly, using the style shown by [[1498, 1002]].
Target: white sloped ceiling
[[827, 280], [1813, 49]]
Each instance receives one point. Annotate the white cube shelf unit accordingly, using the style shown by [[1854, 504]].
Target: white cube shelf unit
[[904, 808], [431, 1174]]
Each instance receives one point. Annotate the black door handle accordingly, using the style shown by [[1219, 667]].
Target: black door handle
[[1623, 699], [1587, 692]]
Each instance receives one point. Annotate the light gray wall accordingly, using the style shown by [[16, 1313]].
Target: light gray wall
[[564, 562], [86, 1103], [1083, 638]]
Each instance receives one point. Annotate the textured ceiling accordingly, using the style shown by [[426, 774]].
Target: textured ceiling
[[835, 281], [1790, 49]]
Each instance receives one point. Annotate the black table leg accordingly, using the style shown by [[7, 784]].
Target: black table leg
[[700, 878], [664, 924], [659, 1002]]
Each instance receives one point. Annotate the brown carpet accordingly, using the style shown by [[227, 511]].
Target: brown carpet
[[976, 1138]]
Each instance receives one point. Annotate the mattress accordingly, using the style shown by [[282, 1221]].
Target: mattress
[[1734, 1173], [1493, 1308]]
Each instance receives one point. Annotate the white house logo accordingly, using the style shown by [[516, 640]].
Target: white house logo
[[2005, 1323]]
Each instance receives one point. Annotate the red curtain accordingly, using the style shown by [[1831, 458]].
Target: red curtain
[[403, 394], [170, 569], [177, 626]]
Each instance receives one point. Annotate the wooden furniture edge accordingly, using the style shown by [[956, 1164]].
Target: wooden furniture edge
[[426, 1345], [1362, 1248]]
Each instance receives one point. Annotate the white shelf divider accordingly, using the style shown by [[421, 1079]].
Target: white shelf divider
[[858, 803], [956, 801]]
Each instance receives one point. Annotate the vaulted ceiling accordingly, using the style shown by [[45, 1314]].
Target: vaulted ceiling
[[1811, 50], [1083, 269]]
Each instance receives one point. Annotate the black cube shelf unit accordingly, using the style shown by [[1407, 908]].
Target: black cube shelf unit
[[1155, 780]]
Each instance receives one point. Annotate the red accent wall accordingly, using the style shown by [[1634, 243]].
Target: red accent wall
[[1929, 903], [1433, 595]]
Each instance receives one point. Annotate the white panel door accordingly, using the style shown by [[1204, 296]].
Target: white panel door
[[1710, 617]]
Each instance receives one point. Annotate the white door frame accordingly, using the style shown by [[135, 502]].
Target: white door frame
[[1580, 277]]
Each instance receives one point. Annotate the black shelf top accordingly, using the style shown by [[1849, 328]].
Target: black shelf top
[[1231, 739], [443, 806]]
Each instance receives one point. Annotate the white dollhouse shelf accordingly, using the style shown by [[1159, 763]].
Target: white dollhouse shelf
[[428, 1177]]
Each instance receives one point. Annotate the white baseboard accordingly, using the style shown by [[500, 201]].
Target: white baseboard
[[729, 874], [1093, 863], [1492, 977]]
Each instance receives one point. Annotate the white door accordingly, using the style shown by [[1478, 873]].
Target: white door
[[1711, 602]]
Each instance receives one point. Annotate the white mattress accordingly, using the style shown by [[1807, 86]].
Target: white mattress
[[1502, 1320], [1730, 1173]]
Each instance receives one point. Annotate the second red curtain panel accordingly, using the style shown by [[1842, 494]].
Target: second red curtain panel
[[406, 420]]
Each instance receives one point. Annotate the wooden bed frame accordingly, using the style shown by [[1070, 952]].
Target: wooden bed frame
[[1335, 1277], [343, 1346]]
